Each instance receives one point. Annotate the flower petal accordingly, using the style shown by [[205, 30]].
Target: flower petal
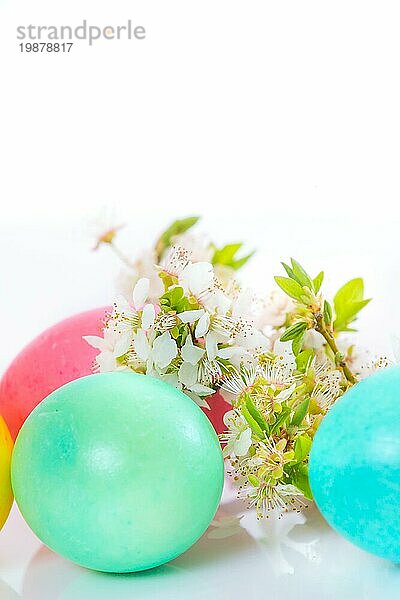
[[285, 394], [142, 345], [229, 418], [243, 306], [199, 401], [191, 353], [140, 292], [202, 325], [95, 341], [252, 339], [229, 352], [148, 316], [243, 442], [106, 362], [122, 343], [122, 304], [164, 350], [202, 390], [217, 301], [197, 277], [187, 374], [172, 379], [211, 345], [190, 316]]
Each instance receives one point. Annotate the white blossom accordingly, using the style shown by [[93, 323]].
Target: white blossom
[[111, 347], [157, 354], [274, 310], [238, 436]]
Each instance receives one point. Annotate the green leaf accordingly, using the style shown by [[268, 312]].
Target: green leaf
[[327, 312], [224, 255], [300, 412], [303, 359], [176, 228], [290, 287], [294, 331], [240, 262], [177, 294], [167, 279], [175, 332], [257, 416], [256, 429], [318, 281], [297, 344], [300, 274], [352, 291], [302, 448], [280, 420], [348, 302], [227, 256], [348, 315], [300, 480], [288, 270], [174, 299]]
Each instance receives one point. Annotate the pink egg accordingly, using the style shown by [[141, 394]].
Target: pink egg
[[57, 356], [218, 408]]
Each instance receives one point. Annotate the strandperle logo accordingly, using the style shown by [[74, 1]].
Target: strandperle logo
[[84, 31]]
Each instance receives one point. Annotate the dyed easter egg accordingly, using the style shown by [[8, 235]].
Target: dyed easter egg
[[6, 497], [56, 356], [118, 472], [355, 465], [218, 407]]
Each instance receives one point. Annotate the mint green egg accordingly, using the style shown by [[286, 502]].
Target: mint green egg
[[355, 465], [118, 472]]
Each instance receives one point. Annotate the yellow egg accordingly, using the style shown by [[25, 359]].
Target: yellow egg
[[6, 497]]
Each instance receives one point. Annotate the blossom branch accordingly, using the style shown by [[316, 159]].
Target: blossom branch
[[327, 334]]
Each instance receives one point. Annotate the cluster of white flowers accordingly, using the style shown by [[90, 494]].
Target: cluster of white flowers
[[270, 427], [280, 362], [191, 335]]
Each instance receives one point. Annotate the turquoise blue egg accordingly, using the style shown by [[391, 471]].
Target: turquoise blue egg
[[355, 465], [118, 472]]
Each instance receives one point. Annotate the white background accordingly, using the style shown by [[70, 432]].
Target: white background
[[277, 121]]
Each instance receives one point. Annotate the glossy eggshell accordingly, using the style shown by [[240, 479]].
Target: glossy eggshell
[[55, 357], [118, 472], [6, 496], [355, 465]]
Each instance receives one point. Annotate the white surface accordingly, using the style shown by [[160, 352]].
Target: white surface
[[279, 122], [297, 557]]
